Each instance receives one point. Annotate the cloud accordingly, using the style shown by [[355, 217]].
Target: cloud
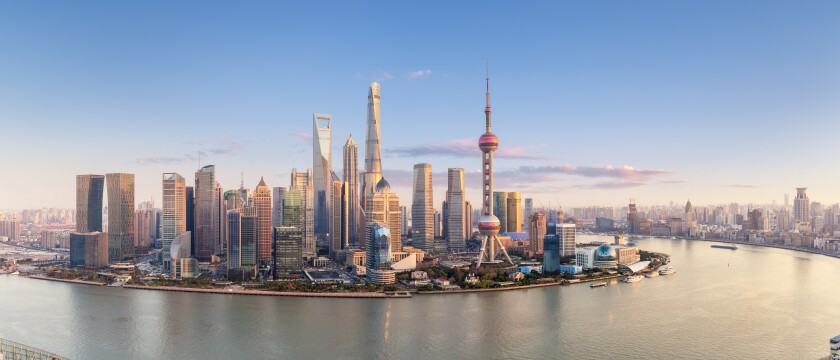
[[611, 185], [419, 74], [159, 160], [460, 148], [223, 146], [741, 186], [609, 171], [385, 75], [303, 136]]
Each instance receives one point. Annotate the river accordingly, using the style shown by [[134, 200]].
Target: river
[[751, 303]]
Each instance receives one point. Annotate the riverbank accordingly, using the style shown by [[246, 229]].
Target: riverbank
[[520, 287], [72, 281], [366, 295], [777, 246]]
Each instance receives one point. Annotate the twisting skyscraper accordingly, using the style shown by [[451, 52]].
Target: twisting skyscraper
[[321, 169], [351, 179], [488, 224], [373, 156]]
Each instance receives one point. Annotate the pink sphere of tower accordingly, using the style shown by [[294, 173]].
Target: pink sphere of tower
[[488, 142], [488, 225]]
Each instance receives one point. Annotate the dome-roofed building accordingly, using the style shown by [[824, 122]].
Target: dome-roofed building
[[605, 257], [383, 185]]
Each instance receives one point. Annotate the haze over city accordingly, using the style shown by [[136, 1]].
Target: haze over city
[[733, 102]]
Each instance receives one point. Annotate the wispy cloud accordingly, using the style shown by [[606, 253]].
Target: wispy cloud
[[459, 148], [742, 186], [419, 74], [611, 185], [223, 146], [303, 136], [159, 160], [609, 171]]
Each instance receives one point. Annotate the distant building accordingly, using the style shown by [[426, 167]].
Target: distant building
[[120, 216], [633, 221], [336, 209], [455, 209], [89, 194], [500, 208], [514, 211], [173, 215], [89, 250], [288, 245], [182, 265], [422, 208], [627, 254], [801, 206], [262, 204], [604, 224], [278, 194], [552, 251], [536, 232], [204, 237], [321, 170], [189, 197], [302, 184], [566, 233], [585, 257], [351, 178]]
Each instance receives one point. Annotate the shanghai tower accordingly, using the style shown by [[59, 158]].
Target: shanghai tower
[[373, 156]]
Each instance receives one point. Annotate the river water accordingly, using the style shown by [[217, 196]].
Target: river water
[[752, 303]]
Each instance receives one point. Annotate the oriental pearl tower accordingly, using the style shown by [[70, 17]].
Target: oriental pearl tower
[[488, 224]]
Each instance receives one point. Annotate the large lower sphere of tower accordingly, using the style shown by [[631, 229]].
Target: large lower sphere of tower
[[488, 142], [488, 225]]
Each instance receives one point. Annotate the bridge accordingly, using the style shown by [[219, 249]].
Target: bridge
[[10, 350]]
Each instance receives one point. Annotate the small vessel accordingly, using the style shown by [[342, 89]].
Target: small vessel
[[599, 284], [652, 274], [730, 247], [633, 278], [16, 273], [668, 270]]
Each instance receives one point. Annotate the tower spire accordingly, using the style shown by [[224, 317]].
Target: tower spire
[[487, 108]]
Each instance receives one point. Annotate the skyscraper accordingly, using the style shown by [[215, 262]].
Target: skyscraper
[[217, 222], [801, 207], [288, 242], [302, 183], [351, 178], [566, 234], [120, 216], [335, 216], [384, 207], [189, 198], [633, 221], [262, 202], [174, 214], [234, 253], [378, 254], [89, 190], [468, 220], [373, 156], [527, 212], [514, 211], [488, 224], [551, 249], [205, 184], [321, 169], [249, 230], [456, 213], [536, 231], [500, 208], [277, 196], [422, 208]]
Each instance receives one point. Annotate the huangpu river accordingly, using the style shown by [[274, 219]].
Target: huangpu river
[[751, 303]]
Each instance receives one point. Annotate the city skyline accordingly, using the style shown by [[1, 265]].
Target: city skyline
[[627, 93]]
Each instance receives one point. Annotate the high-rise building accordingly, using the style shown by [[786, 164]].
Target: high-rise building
[[234, 252], [488, 224], [89, 190], [302, 183], [500, 208], [384, 208], [405, 217], [344, 216], [217, 222], [278, 194], [174, 214], [336, 215], [528, 210], [456, 213], [566, 234], [249, 235], [801, 207], [633, 221], [514, 211], [288, 245], [321, 169], [551, 249], [373, 155], [536, 231], [422, 208], [378, 259], [189, 198], [182, 265], [205, 184], [690, 217], [120, 216], [351, 178], [262, 202], [96, 250], [468, 220], [438, 224]]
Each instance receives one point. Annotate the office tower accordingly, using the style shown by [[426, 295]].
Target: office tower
[[189, 198], [438, 224], [182, 265], [456, 212], [174, 214], [633, 224], [89, 190], [468, 220], [277, 196], [142, 229], [488, 223], [551, 249], [77, 249], [351, 177], [444, 227], [120, 216], [288, 244], [378, 254], [384, 208], [690, 218], [514, 211], [422, 208], [234, 235], [249, 234], [537, 231], [217, 223], [500, 208], [302, 183], [97, 251], [404, 218], [373, 156], [321, 169], [801, 207], [205, 187], [566, 234], [787, 201], [262, 203], [528, 210], [336, 216], [344, 216]]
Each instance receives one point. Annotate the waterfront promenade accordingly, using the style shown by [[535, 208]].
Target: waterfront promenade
[[366, 295]]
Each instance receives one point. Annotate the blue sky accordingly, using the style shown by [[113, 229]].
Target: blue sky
[[716, 101]]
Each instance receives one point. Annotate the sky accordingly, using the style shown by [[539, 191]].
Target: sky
[[594, 103]]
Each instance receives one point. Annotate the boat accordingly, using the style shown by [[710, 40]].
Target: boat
[[730, 247], [599, 284], [633, 278], [652, 274], [668, 270], [16, 273]]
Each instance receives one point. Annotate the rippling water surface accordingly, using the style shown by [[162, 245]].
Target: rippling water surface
[[721, 304]]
